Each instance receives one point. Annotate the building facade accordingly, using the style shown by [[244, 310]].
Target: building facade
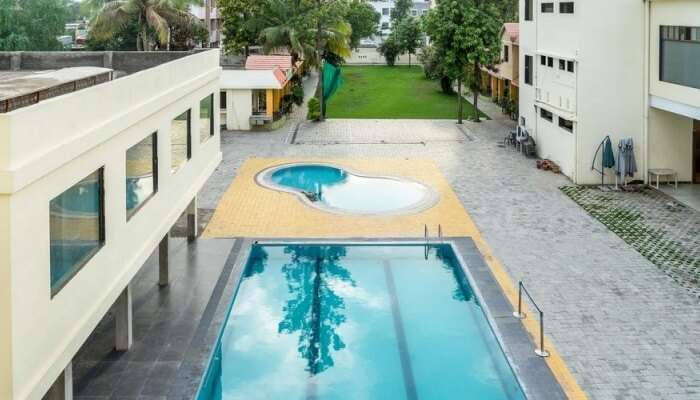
[[384, 8], [502, 79], [91, 180], [584, 75]]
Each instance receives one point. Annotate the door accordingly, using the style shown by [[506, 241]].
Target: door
[[696, 151]]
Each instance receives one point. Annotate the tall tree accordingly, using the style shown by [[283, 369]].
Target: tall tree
[[466, 32], [240, 31], [155, 18], [285, 24], [401, 10], [409, 36], [31, 24], [364, 21]]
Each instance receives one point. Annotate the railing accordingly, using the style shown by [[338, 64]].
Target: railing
[[520, 315]]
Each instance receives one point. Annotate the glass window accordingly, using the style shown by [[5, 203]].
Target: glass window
[[546, 115], [141, 173], [543, 60], [566, 124], [385, 25], [180, 140], [550, 62], [76, 228], [562, 65], [206, 118], [385, 11], [566, 7], [528, 10], [680, 56], [222, 100], [570, 66], [505, 53], [528, 70], [547, 7]]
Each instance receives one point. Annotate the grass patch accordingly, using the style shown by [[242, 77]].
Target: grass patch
[[399, 92]]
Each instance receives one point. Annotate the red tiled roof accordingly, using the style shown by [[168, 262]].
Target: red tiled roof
[[280, 76], [260, 62], [512, 29]]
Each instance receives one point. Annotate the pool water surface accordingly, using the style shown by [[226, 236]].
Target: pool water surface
[[357, 322]]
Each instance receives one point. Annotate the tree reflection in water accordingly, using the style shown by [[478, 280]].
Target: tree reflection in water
[[315, 311], [463, 290]]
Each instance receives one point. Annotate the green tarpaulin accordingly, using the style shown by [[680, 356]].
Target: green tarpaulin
[[331, 81]]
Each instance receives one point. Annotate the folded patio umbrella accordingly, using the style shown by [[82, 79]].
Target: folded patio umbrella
[[608, 155]]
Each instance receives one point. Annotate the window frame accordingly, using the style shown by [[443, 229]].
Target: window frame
[[101, 232], [546, 115], [564, 127], [211, 118], [505, 53], [528, 70], [529, 6], [566, 7], [562, 64], [222, 100], [550, 62], [570, 66], [189, 140], [544, 7], [154, 160], [676, 33]]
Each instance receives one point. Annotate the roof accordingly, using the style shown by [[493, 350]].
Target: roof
[[252, 79], [260, 62], [512, 30], [19, 83]]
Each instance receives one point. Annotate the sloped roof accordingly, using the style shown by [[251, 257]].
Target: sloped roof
[[512, 29], [261, 62]]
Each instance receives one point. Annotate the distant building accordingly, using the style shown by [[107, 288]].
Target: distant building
[[97, 162], [215, 22], [502, 80], [384, 8]]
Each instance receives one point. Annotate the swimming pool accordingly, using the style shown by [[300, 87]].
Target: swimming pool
[[335, 189], [370, 321]]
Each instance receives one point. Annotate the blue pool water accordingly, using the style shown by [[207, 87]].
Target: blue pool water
[[356, 322], [338, 190]]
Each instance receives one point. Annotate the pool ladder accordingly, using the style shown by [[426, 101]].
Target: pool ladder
[[521, 315], [426, 235]]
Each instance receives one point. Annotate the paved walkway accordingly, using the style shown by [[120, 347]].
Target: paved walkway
[[625, 329]]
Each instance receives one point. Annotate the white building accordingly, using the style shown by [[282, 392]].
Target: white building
[[215, 22], [94, 171], [592, 68], [384, 7]]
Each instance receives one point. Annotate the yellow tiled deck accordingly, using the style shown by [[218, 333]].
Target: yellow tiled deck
[[249, 210]]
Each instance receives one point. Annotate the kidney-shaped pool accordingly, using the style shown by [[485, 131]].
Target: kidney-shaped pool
[[339, 190]]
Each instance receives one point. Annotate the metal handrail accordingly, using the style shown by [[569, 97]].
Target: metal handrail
[[440, 232], [520, 315]]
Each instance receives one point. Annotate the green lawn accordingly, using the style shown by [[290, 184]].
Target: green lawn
[[392, 92]]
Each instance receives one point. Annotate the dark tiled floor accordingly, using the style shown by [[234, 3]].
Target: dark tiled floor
[[174, 328]]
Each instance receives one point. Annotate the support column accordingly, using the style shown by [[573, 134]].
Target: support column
[[163, 261], [123, 313], [62, 388], [192, 226]]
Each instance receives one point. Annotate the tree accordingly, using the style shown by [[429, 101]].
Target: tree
[[284, 24], [390, 49], [155, 18], [363, 20], [401, 10], [409, 36], [32, 24], [466, 32], [240, 32]]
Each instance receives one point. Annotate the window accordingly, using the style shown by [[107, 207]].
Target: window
[[206, 118], [570, 66], [566, 7], [550, 62], [679, 55], [180, 140], [566, 125], [414, 12], [76, 228], [562, 65], [222, 100], [543, 60], [547, 8], [528, 10], [528, 70], [522, 121], [385, 25], [385, 11], [141, 173], [546, 115], [505, 53]]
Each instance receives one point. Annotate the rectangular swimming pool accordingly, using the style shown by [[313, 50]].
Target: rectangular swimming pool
[[397, 321]]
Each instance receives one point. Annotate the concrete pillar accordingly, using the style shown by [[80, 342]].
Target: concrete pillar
[[16, 61], [192, 226], [107, 59], [123, 315], [163, 261], [269, 104], [62, 388]]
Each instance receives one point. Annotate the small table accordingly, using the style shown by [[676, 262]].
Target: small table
[[666, 172]]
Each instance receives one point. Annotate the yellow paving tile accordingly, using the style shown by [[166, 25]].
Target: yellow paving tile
[[249, 210]]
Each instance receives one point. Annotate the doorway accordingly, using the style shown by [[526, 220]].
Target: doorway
[[696, 151]]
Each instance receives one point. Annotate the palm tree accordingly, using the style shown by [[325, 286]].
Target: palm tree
[[155, 18]]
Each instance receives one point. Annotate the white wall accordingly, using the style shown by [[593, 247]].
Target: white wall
[[239, 108], [674, 13], [671, 143], [6, 355], [370, 55], [57, 143]]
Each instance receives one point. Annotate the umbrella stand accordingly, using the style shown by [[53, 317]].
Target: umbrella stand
[[605, 148]]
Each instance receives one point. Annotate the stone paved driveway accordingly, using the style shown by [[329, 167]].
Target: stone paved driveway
[[626, 330]]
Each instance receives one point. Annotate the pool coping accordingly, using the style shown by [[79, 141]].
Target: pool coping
[[432, 198], [531, 371]]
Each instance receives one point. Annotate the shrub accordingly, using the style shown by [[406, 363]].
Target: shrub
[[314, 109], [298, 94], [446, 85], [390, 49]]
